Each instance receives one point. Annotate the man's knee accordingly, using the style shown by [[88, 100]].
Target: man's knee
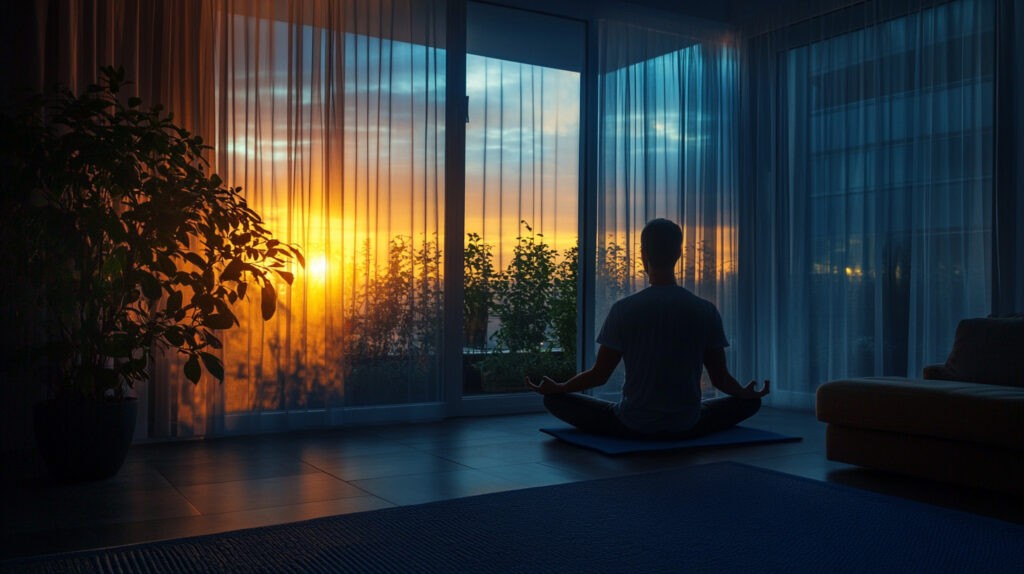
[[752, 405], [562, 405], [553, 402], [743, 408]]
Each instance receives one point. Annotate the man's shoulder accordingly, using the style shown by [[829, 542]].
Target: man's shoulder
[[675, 296]]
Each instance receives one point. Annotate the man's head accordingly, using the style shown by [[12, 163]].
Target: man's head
[[661, 243]]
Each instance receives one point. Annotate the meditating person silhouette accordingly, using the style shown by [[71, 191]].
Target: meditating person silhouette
[[666, 336]]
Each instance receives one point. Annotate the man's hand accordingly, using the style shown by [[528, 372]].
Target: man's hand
[[752, 392], [547, 386]]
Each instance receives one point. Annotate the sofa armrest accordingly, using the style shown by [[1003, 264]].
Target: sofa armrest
[[938, 373], [988, 350]]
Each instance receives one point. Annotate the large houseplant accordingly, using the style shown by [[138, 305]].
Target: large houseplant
[[131, 247]]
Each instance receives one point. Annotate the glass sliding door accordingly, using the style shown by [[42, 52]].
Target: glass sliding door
[[332, 121], [523, 84]]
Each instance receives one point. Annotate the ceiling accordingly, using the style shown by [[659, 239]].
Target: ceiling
[[720, 10]]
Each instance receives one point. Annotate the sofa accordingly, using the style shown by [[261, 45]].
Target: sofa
[[961, 422]]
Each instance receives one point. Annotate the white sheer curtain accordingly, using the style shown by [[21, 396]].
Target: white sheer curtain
[[871, 215], [331, 116], [522, 153], [522, 187], [522, 193], [667, 147]]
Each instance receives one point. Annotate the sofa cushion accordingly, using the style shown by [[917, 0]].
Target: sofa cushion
[[987, 414], [986, 350]]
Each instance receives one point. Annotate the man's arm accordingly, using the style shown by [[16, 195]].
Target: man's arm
[[714, 362], [605, 363]]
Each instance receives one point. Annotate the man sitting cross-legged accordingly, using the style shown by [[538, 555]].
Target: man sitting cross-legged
[[666, 336]]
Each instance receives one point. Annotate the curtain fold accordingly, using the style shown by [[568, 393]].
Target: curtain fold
[[165, 48], [871, 215], [667, 147]]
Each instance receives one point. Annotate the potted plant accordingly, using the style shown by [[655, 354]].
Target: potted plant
[[131, 247]]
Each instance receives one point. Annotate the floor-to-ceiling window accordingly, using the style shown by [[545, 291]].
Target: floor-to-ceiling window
[[331, 117], [522, 165], [874, 215], [865, 238]]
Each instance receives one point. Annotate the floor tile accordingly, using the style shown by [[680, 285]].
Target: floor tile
[[533, 474], [349, 447], [267, 492], [208, 472], [420, 488], [283, 514], [484, 456], [65, 507], [382, 465]]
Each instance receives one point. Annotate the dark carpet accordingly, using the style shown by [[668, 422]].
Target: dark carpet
[[738, 435], [722, 517]]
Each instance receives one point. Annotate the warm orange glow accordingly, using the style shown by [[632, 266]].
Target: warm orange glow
[[317, 267]]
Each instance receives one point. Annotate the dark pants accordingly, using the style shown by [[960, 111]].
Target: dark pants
[[596, 416]]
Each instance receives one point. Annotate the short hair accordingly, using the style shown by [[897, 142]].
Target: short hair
[[661, 242]]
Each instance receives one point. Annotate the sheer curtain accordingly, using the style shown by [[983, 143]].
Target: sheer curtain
[[331, 116], [522, 167], [871, 220], [522, 153], [667, 147], [166, 51], [163, 46], [1011, 241]]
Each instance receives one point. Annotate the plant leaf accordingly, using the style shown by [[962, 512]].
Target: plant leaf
[[233, 271], [219, 321], [211, 340], [192, 370], [268, 301], [195, 259], [213, 365], [174, 337], [150, 285], [173, 302]]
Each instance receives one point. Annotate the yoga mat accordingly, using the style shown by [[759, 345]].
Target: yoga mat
[[721, 517], [738, 435]]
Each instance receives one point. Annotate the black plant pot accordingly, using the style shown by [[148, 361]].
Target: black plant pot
[[83, 440]]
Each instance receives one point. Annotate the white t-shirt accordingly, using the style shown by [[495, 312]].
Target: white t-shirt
[[662, 333]]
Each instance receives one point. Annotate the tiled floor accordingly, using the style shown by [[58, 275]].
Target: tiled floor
[[190, 488]]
